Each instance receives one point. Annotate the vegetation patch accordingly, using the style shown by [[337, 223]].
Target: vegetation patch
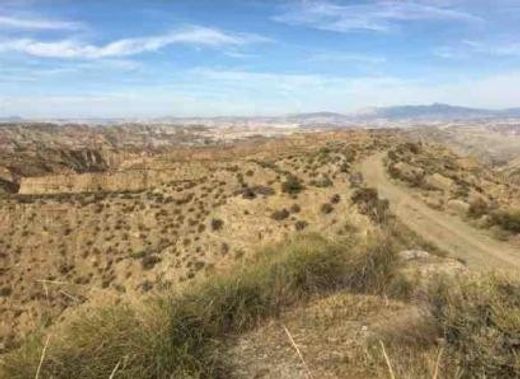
[[480, 321], [369, 203], [292, 185], [180, 337]]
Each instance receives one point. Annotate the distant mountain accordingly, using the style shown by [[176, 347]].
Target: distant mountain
[[433, 112], [512, 112], [319, 118], [10, 119]]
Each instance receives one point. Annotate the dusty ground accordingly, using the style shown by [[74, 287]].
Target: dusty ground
[[449, 232]]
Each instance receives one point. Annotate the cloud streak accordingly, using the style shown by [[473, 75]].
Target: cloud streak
[[25, 23], [338, 57], [469, 48], [71, 49], [377, 16]]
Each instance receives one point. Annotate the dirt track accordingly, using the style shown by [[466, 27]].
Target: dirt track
[[448, 232]]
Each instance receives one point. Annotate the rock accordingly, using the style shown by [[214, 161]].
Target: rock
[[408, 255], [458, 206], [439, 181]]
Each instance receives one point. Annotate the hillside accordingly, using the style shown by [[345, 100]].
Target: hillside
[[250, 246]]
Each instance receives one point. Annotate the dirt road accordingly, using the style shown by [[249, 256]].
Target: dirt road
[[448, 232]]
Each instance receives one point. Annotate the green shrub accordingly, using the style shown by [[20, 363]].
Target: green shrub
[[292, 185], [507, 219]]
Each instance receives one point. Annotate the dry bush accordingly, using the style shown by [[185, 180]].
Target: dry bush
[[292, 185], [280, 215], [368, 202], [480, 322]]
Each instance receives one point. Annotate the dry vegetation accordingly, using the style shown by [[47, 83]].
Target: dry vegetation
[[449, 182], [268, 247]]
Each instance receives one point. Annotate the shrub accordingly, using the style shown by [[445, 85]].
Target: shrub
[[248, 193], [480, 321], [216, 224], [477, 208], [180, 337], [292, 185], [280, 215], [149, 261], [300, 225], [295, 208], [507, 219], [368, 202], [326, 208]]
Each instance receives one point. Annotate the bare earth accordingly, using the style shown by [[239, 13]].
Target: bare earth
[[448, 232]]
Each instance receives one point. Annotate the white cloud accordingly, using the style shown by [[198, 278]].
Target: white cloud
[[469, 48], [380, 16], [193, 35], [347, 57], [494, 49], [27, 23]]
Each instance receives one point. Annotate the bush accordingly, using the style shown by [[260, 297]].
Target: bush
[[149, 261], [477, 208], [480, 321], [292, 185], [300, 225], [368, 202], [507, 219], [248, 193], [295, 208], [180, 337], [280, 215], [216, 224], [326, 208]]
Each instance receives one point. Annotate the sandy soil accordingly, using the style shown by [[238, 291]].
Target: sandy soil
[[449, 233]]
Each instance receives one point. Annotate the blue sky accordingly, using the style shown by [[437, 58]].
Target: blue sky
[[131, 58]]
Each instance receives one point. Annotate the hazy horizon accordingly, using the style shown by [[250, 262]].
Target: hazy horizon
[[145, 59]]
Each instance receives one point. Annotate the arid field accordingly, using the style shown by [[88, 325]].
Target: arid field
[[312, 253]]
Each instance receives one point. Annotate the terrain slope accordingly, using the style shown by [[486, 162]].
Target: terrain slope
[[448, 232]]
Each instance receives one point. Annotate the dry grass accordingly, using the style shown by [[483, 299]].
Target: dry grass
[[179, 337]]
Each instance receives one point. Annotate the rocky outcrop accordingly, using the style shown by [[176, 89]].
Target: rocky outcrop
[[128, 180]]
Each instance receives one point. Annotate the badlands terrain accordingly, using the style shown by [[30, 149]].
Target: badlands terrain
[[256, 249]]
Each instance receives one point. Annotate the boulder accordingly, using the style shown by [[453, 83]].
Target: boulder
[[439, 181], [458, 206]]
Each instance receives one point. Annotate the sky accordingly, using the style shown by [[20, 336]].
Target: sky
[[155, 58]]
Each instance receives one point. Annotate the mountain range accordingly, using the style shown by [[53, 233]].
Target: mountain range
[[433, 112]]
